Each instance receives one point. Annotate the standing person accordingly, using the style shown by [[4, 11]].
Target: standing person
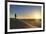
[[15, 15]]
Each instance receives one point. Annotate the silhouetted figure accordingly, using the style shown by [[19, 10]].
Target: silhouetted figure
[[15, 16]]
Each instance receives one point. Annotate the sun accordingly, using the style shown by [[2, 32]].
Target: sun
[[36, 15]]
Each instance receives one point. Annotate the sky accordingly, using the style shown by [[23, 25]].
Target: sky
[[25, 11]]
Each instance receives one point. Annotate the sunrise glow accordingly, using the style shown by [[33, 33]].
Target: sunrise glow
[[34, 15]]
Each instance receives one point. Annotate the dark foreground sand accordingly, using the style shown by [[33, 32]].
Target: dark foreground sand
[[24, 23]]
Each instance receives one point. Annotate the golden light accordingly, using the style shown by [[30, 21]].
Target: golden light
[[33, 15], [36, 15]]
